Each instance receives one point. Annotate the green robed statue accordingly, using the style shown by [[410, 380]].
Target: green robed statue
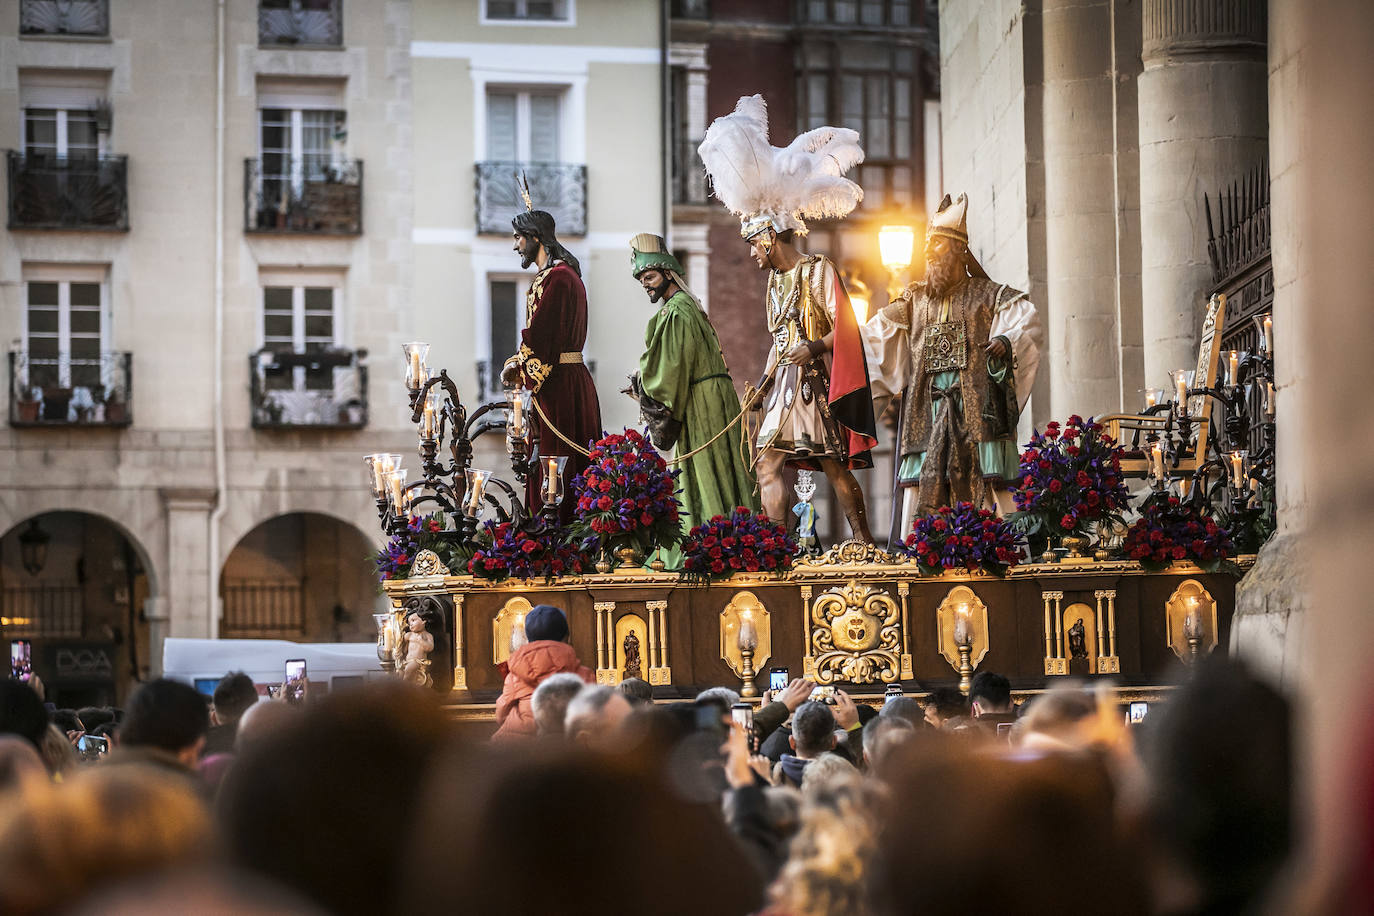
[[685, 393]]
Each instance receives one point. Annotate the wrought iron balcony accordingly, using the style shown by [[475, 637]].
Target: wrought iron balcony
[[556, 187], [67, 390], [301, 23], [57, 192], [320, 389], [64, 17], [303, 196]]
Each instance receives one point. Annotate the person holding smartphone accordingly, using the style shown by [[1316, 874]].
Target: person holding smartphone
[[780, 706]]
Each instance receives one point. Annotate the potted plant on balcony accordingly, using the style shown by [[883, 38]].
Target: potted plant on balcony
[[56, 400], [353, 412], [116, 408], [27, 405]]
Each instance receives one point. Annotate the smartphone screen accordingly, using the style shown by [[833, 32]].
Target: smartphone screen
[[293, 687], [21, 661], [1139, 711], [91, 746], [777, 678], [743, 715]]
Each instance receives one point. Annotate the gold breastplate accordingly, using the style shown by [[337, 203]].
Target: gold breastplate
[[945, 343]]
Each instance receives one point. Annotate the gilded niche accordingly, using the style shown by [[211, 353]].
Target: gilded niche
[[855, 635]]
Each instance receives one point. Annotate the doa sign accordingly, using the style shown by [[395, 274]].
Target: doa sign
[[82, 661]]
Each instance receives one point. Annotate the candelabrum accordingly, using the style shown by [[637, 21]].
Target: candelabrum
[[452, 485], [963, 640], [748, 644], [1230, 475], [1192, 631]]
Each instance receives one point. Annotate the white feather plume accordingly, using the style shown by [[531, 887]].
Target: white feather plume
[[805, 179]]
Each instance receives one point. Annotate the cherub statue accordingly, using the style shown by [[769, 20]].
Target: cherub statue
[[418, 643]]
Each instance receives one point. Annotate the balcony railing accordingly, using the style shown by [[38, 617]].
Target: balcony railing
[[323, 389], [262, 609], [555, 187], [689, 175], [57, 192], [66, 390], [305, 196], [64, 17], [46, 610], [301, 23]]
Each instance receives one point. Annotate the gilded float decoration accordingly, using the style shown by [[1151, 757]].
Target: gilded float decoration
[[855, 636]]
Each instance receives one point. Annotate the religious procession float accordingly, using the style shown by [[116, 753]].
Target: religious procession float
[[680, 558]]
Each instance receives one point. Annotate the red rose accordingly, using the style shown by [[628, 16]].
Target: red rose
[[1072, 450], [940, 524], [717, 566], [603, 503], [1067, 522], [1093, 498], [529, 546], [1180, 552], [1198, 546], [922, 548], [1027, 482], [1056, 485], [605, 486], [645, 518], [1045, 465]]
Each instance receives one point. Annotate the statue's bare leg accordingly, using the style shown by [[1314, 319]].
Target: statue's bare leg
[[850, 496], [772, 493]]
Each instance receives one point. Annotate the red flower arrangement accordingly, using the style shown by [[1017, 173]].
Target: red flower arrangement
[[963, 537], [738, 542], [627, 496], [1170, 531], [1069, 477], [422, 532], [534, 549]]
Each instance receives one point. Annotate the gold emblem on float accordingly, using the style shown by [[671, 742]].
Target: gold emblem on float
[[855, 631]]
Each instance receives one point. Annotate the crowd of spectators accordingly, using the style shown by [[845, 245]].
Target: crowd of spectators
[[604, 800]]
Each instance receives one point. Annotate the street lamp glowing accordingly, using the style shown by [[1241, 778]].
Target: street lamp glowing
[[895, 244]]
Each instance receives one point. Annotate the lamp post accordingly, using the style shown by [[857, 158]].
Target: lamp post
[[895, 244]]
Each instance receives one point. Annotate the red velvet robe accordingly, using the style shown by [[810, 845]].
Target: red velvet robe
[[556, 323]]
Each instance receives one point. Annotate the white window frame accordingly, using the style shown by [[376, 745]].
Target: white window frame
[[298, 282], [522, 95], [298, 96], [63, 91], [569, 19], [64, 276], [482, 318]]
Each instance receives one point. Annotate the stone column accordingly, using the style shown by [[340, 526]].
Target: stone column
[[1203, 123], [1080, 224], [188, 607]]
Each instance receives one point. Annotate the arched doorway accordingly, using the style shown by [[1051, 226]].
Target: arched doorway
[[305, 577], [74, 585]]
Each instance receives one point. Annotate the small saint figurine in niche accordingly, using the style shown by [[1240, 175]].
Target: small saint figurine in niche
[[1078, 648], [418, 643], [631, 648]]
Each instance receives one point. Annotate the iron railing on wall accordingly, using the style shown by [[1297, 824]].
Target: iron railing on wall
[[59, 192], [323, 389], [66, 390], [43, 610], [301, 23], [262, 609], [1238, 224], [558, 188], [322, 198], [64, 17]]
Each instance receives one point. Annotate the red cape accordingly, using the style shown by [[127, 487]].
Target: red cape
[[851, 402]]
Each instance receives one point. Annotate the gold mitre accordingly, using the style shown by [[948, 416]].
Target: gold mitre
[[950, 219]]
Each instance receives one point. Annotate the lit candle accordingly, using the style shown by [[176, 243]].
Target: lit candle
[[1157, 461], [1269, 399], [398, 479], [1238, 470], [748, 636], [1233, 358], [474, 501], [551, 480], [378, 487], [517, 417], [1269, 334], [415, 380], [1181, 386], [961, 625], [1149, 397]]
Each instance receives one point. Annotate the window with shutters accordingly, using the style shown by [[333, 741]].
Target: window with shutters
[[523, 125], [504, 320], [65, 329], [299, 319], [528, 11]]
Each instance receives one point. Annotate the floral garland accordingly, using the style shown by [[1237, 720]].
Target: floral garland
[[534, 549], [963, 537], [1169, 530], [738, 542], [422, 532], [1068, 479], [626, 496]]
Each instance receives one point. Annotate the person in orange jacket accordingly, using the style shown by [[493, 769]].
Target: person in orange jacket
[[546, 653]]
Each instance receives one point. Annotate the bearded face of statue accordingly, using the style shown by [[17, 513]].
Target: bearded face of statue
[[944, 264]]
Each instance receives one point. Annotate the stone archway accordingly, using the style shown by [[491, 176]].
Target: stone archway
[[301, 576], [80, 600]]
